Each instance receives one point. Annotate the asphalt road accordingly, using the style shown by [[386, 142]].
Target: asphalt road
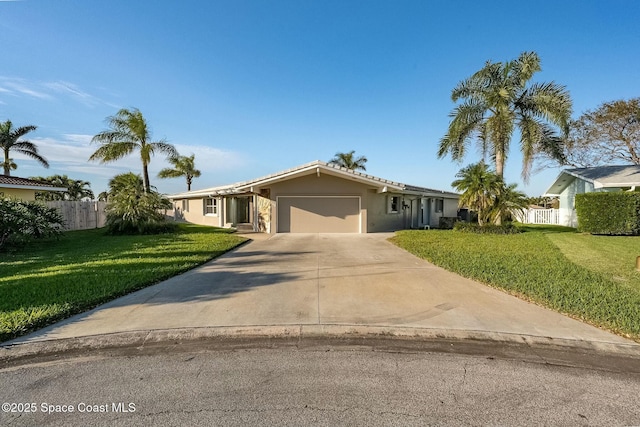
[[319, 385]]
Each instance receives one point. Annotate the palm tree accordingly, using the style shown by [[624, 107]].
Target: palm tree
[[347, 160], [132, 209], [77, 189], [496, 100], [182, 166], [478, 185], [10, 164], [508, 201], [126, 182], [9, 137], [128, 132]]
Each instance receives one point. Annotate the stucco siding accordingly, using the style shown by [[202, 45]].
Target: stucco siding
[[314, 185], [379, 217], [192, 210], [27, 195]]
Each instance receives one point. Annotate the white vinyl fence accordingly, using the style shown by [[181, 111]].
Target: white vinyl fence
[[79, 215], [539, 216]]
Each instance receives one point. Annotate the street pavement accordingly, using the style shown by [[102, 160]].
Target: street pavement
[[313, 387]]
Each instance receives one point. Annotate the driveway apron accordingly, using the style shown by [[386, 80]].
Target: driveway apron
[[326, 279]]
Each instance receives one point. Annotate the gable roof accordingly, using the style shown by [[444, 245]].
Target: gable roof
[[26, 184], [318, 166], [600, 177]]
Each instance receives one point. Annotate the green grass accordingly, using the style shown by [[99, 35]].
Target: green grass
[[592, 278], [50, 280]]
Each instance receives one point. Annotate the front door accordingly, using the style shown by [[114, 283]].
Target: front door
[[238, 210], [242, 210]]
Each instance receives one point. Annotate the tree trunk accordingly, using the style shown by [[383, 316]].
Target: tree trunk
[[145, 178], [7, 165], [500, 164]]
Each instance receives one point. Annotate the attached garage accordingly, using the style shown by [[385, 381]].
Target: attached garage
[[319, 214]]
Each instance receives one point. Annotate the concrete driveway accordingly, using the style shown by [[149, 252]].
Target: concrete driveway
[[323, 279]]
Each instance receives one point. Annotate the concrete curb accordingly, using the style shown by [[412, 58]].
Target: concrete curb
[[589, 354]]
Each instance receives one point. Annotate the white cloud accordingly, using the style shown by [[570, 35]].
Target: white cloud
[[15, 86], [66, 88], [211, 159]]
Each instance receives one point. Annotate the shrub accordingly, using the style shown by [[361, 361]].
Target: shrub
[[131, 210], [467, 227], [616, 213], [22, 221], [447, 222], [131, 213]]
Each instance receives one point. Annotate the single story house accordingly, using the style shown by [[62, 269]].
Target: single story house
[[584, 180], [316, 197], [23, 188]]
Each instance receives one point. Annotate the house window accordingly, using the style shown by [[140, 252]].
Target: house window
[[394, 204], [439, 205], [185, 205], [211, 206]]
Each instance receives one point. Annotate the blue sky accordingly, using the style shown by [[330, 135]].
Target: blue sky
[[254, 87]]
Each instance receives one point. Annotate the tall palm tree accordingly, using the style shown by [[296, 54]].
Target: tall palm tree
[[496, 101], [9, 141], [349, 161], [478, 185], [129, 132], [182, 166]]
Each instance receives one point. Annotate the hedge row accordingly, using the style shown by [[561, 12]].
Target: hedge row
[[615, 213]]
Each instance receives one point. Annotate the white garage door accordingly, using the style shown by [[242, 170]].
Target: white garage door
[[318, 214]]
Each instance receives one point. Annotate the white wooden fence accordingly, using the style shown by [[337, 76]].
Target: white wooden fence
[[539, 216], [80, 215]]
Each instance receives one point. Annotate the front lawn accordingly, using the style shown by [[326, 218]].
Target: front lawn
[[588, 277], [48, 281]]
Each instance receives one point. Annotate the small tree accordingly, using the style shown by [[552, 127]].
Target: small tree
[[478, 185], [183, 166], [487, 194], [507, 202], [132, 210], [349, 161]]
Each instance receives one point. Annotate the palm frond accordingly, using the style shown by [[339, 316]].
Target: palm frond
[[549, 101], [113, 151], [467, 119]]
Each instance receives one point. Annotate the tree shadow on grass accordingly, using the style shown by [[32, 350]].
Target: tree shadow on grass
[[83, 289], [543, 228]]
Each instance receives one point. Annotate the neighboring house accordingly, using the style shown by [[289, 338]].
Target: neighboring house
[[584, 180], [23, 188], [316, 197]]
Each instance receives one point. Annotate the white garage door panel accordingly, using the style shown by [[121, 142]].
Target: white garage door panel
[[318, 214]]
